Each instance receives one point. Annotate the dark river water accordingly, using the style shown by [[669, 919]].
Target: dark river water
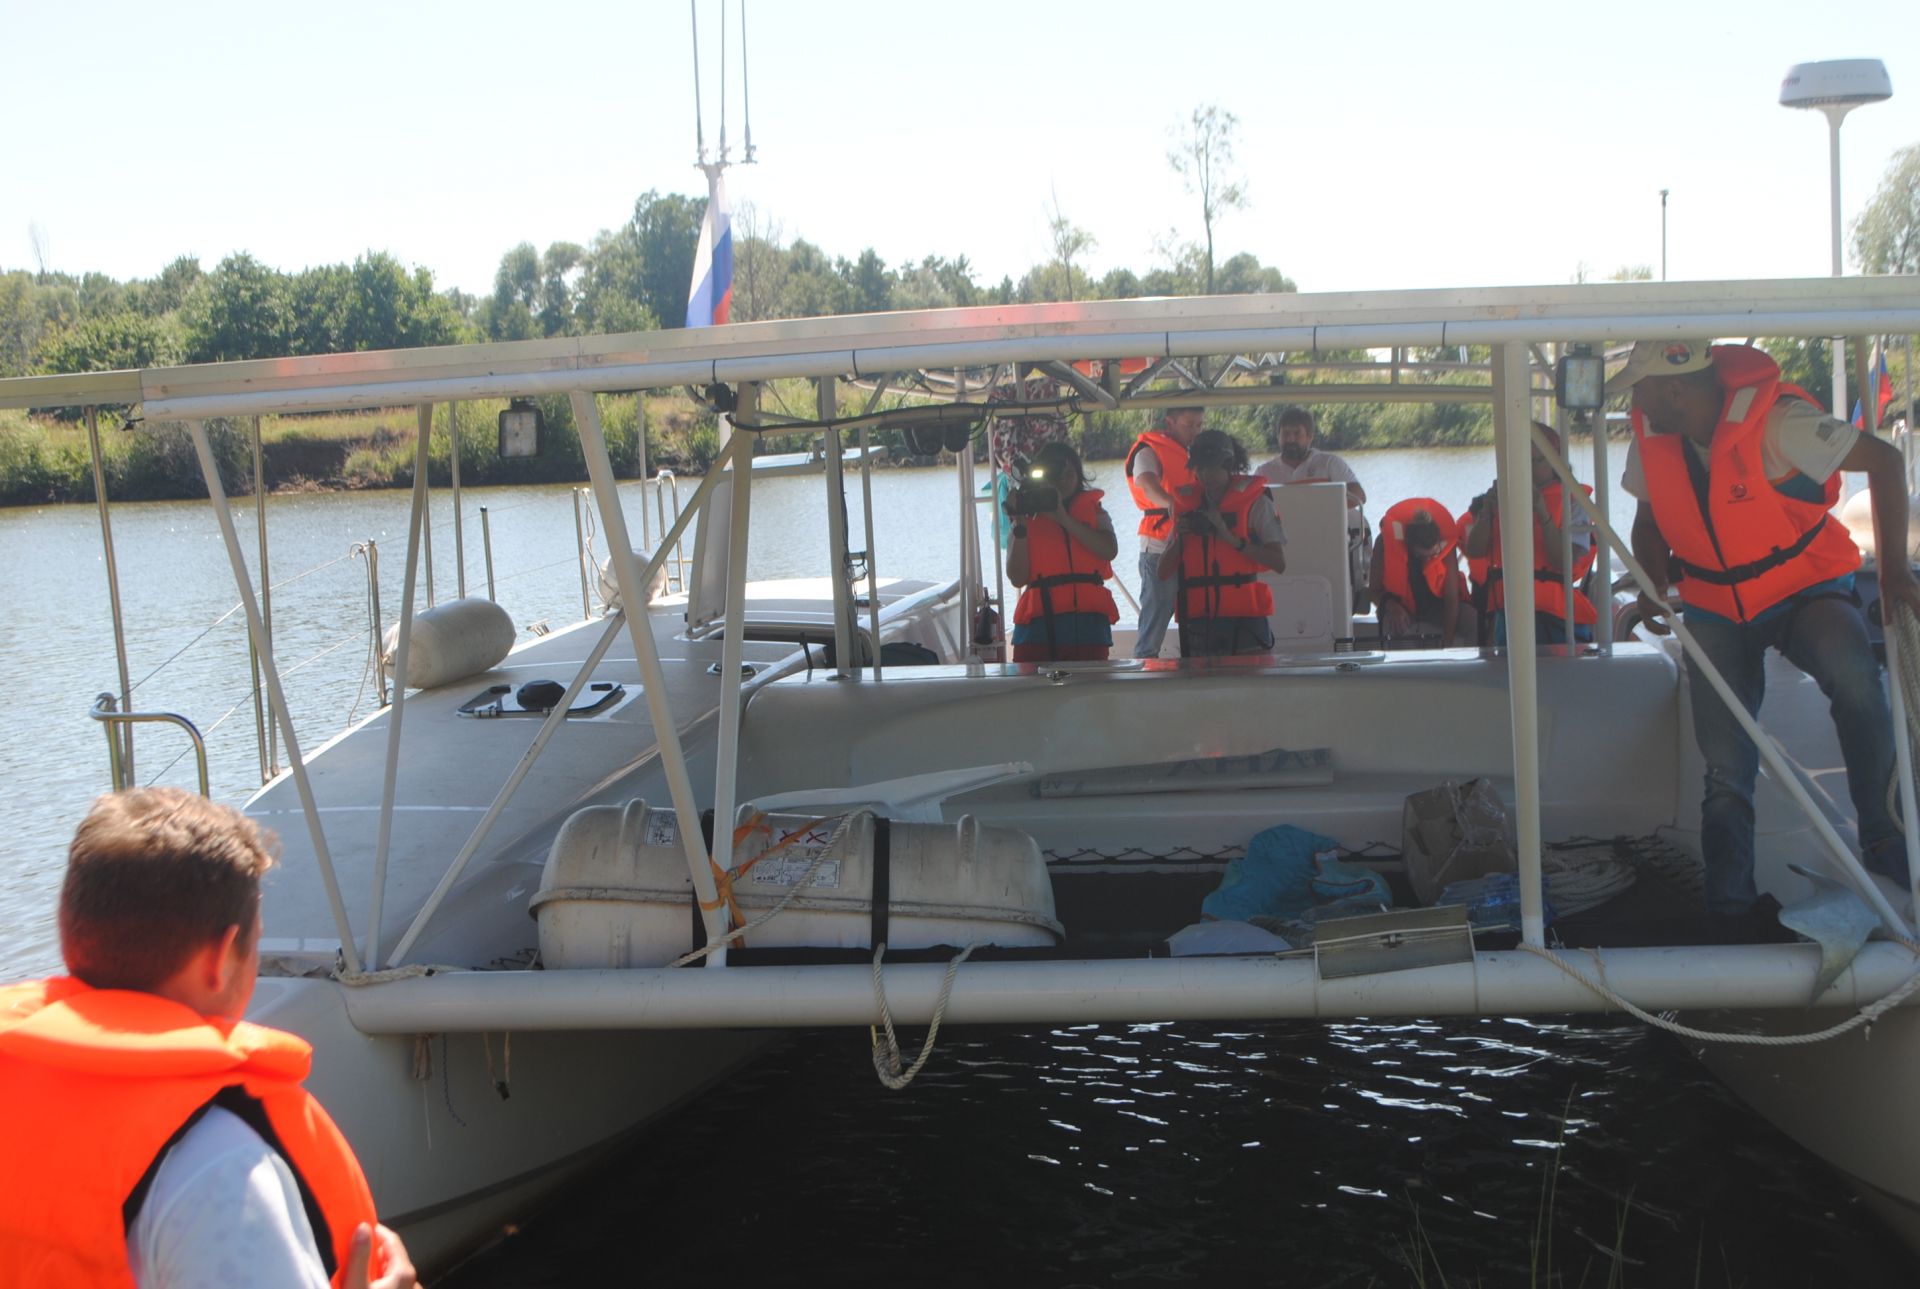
[[1490, 1152]]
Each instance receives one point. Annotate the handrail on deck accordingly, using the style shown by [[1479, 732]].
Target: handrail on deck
[[103, 710]]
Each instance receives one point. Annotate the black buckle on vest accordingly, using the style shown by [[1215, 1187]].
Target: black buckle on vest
[[1753, 568]]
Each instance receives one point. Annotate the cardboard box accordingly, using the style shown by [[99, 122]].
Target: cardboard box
[[1452, 833]]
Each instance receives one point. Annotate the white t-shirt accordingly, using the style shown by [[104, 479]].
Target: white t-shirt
[[1798, 437], [1147, 461], [1315, 467], [223, 1209]]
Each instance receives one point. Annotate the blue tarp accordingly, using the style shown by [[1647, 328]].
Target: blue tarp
[[1287, 871]]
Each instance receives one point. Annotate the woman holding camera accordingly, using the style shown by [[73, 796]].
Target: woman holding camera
[[1060, 555], [1226, 537]]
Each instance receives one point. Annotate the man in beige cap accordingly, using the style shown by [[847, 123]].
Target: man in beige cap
[[1736, 472]]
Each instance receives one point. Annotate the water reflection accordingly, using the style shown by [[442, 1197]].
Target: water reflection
[[1177, 1153]]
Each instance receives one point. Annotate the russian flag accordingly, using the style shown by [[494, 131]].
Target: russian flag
[[1886, 396], [711, 295]]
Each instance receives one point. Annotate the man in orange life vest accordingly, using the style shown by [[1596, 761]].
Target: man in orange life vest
[[1156, 471], [1416, 574], [1736, 472], [1550, 518], [157, 1139]]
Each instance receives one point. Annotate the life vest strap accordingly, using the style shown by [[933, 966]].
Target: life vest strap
[[1753, 568], [1498, 574], [1067, 579], [1222, 579]]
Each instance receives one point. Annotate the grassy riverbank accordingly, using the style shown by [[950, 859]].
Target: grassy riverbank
[[45, 460]]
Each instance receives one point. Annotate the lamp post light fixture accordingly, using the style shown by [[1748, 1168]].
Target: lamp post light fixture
[[1836, 87]]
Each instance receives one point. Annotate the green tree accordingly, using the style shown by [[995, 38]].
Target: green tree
[[611, 285], [1245, 275], [112, 342], [667, 230], [1886, 236], [869, 285], [240, 310], [20, 323], [559, 272], [1202, 155], [1070, 241]]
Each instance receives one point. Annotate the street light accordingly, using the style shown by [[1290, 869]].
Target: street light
[[1836, 87]]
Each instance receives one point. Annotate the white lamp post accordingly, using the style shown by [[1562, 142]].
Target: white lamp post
[[1836, 87]]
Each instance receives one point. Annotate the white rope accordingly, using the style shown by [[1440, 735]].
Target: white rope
[[1865, 1016], [886, 1045], [806, 880], [356, 979]]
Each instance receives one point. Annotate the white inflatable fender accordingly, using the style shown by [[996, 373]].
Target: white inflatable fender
[[610, 582], [1856, 512], [452, 641]]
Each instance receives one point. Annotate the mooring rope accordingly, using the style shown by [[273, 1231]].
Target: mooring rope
[[886, 1044], [1867, 1015]]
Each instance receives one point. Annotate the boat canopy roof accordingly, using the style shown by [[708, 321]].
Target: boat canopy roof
[[879, 345]]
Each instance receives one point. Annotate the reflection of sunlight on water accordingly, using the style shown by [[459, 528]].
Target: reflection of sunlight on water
[[1284, 1155]]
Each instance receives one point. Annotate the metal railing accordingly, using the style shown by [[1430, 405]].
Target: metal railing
[[103, 710]]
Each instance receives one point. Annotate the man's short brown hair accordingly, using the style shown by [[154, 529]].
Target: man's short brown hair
[[152, 875]]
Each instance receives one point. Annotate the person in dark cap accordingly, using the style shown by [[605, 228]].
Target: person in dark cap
[[1736, 472]]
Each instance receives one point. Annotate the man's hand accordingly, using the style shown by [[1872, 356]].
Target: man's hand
[[1653, 614], [399, 1273], [1395, 618], [1898, 586]]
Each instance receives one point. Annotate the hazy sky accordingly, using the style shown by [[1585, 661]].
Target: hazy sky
[[1384, 145]]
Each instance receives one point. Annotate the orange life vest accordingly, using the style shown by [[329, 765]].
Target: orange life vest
[[1748, 546], [1217, 581], [1549, 595], [97, 1082], [1393, 550], [1063, 575], [1155, 522], [1477, 566]]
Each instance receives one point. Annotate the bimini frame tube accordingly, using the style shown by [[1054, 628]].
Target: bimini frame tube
[[548, 728], [653, 681], [271, 672], [125, 732], [1770, 753], [1512, 421], [726, 767], [555, 718], [390, 783], [1505, 983], [826, 403]]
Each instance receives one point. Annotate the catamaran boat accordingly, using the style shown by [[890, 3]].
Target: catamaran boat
[[554, 889]]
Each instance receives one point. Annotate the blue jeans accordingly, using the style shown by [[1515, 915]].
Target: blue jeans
[[1826, 638], [1156, 606]]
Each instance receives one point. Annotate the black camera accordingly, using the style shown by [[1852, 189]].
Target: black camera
[[1034, 495], [1197, 523]]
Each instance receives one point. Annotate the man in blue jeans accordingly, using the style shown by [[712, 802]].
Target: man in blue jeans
[[1736, 473], [1156, 471]]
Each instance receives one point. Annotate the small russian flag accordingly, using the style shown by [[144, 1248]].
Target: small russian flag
[[711, 295], [1886, 396]]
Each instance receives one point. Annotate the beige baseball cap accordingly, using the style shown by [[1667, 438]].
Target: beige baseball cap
[[1659, 358]]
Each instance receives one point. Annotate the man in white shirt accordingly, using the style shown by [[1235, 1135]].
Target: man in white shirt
[[172, 1143], [1300, 462], [1766, 566]]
